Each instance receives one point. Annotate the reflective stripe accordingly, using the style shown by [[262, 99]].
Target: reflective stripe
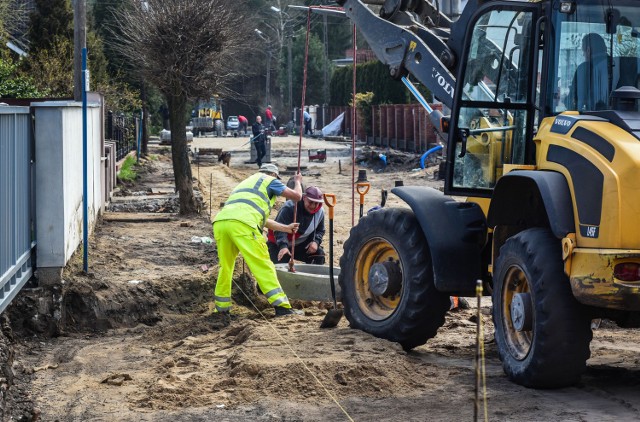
[[255, 187], [255, 192], [222, 299], [259, 182], [249, 202], [279, 301], [220, 309], [273, 292]]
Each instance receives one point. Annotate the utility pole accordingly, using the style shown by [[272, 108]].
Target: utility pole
[[79, 42], [325, 89], [268, 75], [290, 77], [268, 89]]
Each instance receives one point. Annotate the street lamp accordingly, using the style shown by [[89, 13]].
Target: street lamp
[[290, 76], [268, 76], [281, 35]]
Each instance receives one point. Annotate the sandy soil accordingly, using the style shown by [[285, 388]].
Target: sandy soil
[[138, 340]]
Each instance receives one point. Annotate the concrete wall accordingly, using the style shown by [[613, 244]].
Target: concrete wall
[[59, 178]]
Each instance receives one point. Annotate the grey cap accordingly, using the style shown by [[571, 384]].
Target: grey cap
[[270, 168]]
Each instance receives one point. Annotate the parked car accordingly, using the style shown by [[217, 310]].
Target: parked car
[[165, 135], [233, 123]]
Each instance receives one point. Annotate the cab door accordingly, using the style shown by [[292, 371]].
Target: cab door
[[492, 119]]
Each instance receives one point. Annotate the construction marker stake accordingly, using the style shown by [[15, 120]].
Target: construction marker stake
[[480, 374]]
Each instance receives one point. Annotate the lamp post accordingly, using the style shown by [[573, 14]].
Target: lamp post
[[281, 25], [290, 79], [325, 35], [268, 75], [281, 36]]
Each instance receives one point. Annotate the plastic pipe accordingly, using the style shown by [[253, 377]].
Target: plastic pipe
[[426, 154]]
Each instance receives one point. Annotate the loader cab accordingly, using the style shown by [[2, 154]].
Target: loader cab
[[596, 50], [524, 61], [495, 105]]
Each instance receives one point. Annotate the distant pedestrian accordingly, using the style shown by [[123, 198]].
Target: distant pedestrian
[[259, 140], [307, 122], [237, 228], [268, 118], [244, 124]]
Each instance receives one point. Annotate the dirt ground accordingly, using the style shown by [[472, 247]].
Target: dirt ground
[[137, 341]]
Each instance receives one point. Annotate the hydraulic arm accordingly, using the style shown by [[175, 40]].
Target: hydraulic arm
[[410, 36]]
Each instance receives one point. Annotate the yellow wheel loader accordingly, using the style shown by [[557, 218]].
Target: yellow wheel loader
[[543, 139]]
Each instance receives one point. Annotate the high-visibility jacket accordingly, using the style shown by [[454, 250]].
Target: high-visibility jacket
[[249, 202]]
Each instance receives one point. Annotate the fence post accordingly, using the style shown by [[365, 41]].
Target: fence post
[[110, 125]]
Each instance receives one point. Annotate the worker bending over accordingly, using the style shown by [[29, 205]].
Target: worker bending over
[[310, 215], [238, 228]]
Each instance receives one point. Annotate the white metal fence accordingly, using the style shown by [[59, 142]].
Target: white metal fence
[[17, 231]]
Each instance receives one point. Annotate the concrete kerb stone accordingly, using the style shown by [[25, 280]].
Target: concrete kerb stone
[[309, 282]]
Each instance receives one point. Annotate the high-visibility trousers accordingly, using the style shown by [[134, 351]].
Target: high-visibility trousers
[[231, 237]]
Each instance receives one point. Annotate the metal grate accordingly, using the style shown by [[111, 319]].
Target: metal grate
[[17, 227], [121, 130]]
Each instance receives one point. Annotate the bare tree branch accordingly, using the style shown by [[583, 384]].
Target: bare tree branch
[[188, 50], [13, 17], [188, 46]]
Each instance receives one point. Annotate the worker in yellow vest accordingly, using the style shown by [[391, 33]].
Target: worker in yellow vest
[[238, 228]]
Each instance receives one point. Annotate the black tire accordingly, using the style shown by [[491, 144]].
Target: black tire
[[551, 351], [411, 315]]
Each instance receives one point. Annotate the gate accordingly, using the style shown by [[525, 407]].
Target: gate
[[17, 223]]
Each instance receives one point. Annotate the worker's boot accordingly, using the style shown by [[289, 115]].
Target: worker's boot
[[282, 311], [458, 303], [221, 319]]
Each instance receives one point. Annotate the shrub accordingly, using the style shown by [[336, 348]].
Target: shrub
[[127, 172]]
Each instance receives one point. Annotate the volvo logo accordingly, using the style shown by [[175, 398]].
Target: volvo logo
[[562, 125], [442, 81], [564, 122]]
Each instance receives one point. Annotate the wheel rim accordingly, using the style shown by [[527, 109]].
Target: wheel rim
[[375, 307], [518, 342]]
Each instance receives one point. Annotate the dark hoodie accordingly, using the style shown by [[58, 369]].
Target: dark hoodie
[[311, 226]]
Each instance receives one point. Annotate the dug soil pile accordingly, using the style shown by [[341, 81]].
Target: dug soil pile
[[136, 339]]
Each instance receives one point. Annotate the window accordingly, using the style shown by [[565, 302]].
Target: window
[[494, 110], [592, 62]]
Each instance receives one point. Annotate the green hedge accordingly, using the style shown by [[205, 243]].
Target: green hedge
[[370, 77]]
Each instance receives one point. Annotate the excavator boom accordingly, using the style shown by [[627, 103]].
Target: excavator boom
[[406, 44]]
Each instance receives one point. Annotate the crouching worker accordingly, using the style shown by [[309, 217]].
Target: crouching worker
[[238, 228], [310, 215]]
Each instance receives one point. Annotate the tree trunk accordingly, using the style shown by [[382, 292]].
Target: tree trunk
[[180, 155], [145, 122]]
